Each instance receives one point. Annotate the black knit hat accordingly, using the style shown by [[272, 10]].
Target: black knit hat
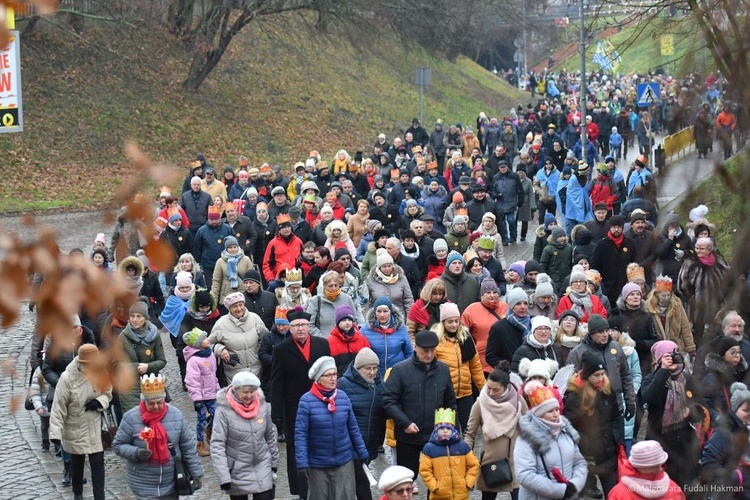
[[203, 298], [590, 363], [531, 266], [723, 344], [597, 323]]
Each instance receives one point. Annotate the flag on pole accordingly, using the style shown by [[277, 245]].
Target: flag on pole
[[614, 56], [607, 57]]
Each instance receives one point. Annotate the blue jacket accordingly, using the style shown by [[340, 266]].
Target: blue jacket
[[149, 479], [434, 203], [209, 243], [367, 401], [551, 180], [319, 436], [362, 248], [390, 348], [578, 202]]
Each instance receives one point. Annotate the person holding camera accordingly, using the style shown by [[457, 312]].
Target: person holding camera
[[669, 391]]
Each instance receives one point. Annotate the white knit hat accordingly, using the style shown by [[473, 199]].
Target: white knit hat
[[245, 379], [321, 365], [383, 257], [394, 476]]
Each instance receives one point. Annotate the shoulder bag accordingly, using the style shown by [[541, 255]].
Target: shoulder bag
[[497, 473], [183, 480]]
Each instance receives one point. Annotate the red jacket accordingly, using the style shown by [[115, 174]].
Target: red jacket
[[596, 303], [280, 252], [658, 486], [185, 221], [344, 348], [592, 131], [602, 191]]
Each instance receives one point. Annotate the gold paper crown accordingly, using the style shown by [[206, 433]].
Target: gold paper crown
[[283, 219], [152, 386], [294, 275], [431, 165], [462, 211], [172, 211], [635, 273], [445, 416], [214, 210], [486, 242], [165, 191], [281, 311], [663, 284]]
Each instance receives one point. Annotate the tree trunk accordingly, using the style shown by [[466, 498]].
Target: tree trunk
[[180, 16]]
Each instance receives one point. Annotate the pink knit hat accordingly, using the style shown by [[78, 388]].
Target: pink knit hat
[[630, 288], [659, 349], [449, 310], [647, 454]]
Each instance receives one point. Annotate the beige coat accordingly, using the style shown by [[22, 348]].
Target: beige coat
[[78, 429], [495, 449], [220, 286], [241, 337]]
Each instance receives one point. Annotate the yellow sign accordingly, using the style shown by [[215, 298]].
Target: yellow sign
[[667, 45]]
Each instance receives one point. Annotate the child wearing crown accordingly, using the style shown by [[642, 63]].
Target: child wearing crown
[[447, 465]]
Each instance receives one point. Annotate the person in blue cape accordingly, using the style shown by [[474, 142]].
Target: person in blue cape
[[578, 208]]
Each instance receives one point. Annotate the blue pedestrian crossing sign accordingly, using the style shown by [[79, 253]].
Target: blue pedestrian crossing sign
[[649, 94]]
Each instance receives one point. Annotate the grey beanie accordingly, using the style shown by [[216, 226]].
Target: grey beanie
[[229, 241], [544, 286], [515, 296], [597, 323], [439, 244], [366, 357], [740, 394], [322, 365]]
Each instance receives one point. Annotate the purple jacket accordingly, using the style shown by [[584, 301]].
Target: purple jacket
[[200, 375]]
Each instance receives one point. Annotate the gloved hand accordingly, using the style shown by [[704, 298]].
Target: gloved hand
[[226, 486], [197, 483], [197, 406], [679, 254], [93, 405], [629, 412], [234, 360], [274, 470], [32, 305], [143, 454], [303, 474], [570, 490]]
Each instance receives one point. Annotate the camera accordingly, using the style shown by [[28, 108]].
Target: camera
[[677, 358]]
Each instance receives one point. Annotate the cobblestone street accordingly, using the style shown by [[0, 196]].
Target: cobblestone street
[[29, 472]]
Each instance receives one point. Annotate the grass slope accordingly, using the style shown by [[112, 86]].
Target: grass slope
[[727, 203], [640, 49], [276, 95]]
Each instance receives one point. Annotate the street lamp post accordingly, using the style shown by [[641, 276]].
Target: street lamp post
[[583, 79]]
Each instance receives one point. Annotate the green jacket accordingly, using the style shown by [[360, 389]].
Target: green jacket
[[149, 350], [557, 261]]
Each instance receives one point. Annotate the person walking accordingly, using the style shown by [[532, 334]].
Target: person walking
[[82, 393], [201, 383], [245, 454], [144, 438], [327, 438]]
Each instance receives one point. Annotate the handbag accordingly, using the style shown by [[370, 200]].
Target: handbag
[[28, 404], [497, 473], [183, 480], [109, 428]]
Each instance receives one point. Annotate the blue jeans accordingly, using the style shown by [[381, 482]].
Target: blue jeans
[[569, 225], [205, 418], [510, 220]]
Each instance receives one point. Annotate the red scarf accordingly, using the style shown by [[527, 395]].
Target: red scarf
[[305, 349], [316, 389], [708, 260], [617, 241], [158, 446], [249, 411]]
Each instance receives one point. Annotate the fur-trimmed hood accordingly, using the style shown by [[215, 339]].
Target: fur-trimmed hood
[[336, 224], [537, 434], [714, 362], [131, 261], [622, 307], [394, 313], [627, 343], [541, 232]]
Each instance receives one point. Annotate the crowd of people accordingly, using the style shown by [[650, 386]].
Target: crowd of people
[[366, 304]]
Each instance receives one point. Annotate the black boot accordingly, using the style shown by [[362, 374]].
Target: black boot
[[78, 497], [66, 474], [45, 445], [281, 438]]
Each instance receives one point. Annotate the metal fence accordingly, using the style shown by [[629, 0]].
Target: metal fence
[[679, 143]]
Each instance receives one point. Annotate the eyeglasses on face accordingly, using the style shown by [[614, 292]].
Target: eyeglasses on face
[[299, 326]]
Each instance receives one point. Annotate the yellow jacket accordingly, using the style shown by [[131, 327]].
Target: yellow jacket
[[449, 470], [463, 371]]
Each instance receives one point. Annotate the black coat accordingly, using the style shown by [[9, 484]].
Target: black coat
[[367, 402], [289, 382], [600, 432], [413, 392], [503, 342], [265, 235], [53, 367], [717, 382], [667, 262], [530, 352], [196, 208], [265, 353], [639, 324], [302, 230], [612, 262], [247, 237], [264, 305], [679, 442], [477, 210], [180, 240], [722, 456], [412, 273]]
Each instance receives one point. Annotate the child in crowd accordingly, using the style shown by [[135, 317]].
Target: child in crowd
[[201, 383], [38, 399], [447, 465]]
